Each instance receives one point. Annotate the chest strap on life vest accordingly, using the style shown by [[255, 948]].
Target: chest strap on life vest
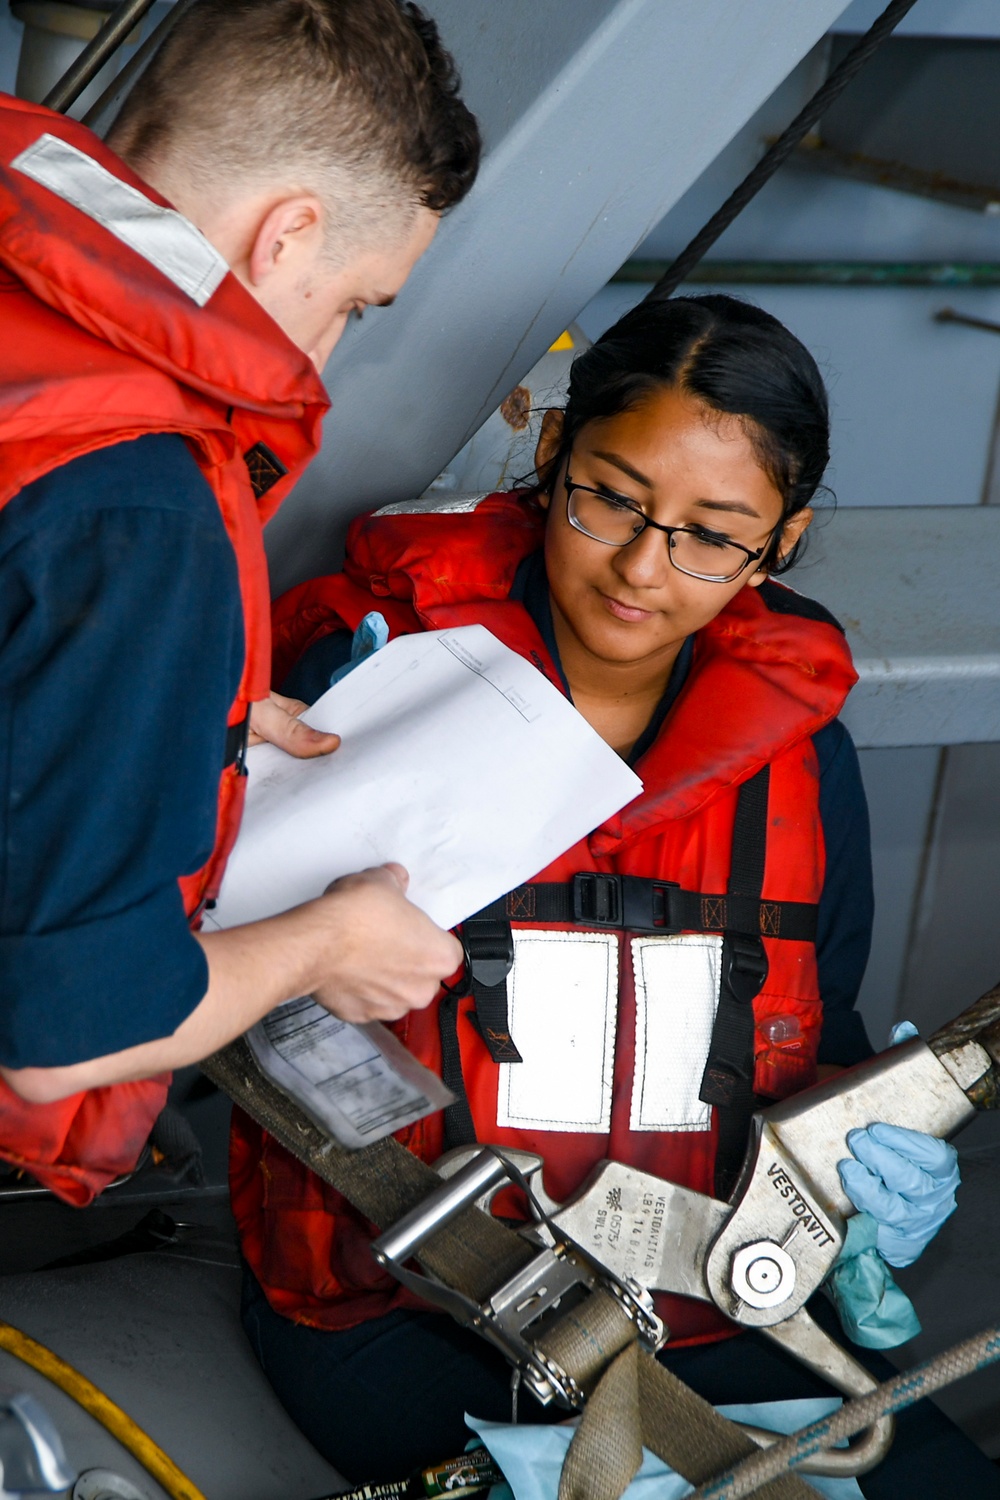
[[635, 903]]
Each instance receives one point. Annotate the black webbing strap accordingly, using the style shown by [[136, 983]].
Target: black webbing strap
[[489, 958], [489, 950], [459, 1129], [634, 903], [727, 1082], [237, 740]]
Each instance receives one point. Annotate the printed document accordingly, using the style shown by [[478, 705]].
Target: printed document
[[458, 759]]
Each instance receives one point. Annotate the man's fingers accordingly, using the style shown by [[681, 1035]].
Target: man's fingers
[[457, 953], [387, 956], [292, 706], [299, 740], [276, 720], [391, 874]]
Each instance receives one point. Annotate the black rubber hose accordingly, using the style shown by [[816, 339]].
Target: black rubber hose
[[780, 151]]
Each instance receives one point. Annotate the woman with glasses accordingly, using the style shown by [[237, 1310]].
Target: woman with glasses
[[698, 953]]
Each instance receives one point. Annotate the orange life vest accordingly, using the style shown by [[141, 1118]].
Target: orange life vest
[[587, 1007], [110, 332]]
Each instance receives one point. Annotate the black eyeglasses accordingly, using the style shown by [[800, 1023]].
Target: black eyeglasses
[[692, 550]]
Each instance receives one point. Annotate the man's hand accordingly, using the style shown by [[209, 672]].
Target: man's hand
[[385, 957], [362, 949], [276, 719]]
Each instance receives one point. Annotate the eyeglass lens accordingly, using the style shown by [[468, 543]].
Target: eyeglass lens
[[609, 521]]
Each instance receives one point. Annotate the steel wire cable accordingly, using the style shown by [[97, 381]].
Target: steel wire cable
[[136, 65], [118, 26], [903, 1390], [779, 152]]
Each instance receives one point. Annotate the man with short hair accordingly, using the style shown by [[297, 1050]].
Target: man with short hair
[[168, 299]]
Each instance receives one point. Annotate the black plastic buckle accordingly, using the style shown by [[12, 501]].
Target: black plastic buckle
[[747, 966], [237, 743], [646, 905], [630, 902], [489, 949], [597, 899]]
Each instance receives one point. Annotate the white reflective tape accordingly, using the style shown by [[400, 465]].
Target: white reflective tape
[[162, 236], [429, 505], [676, 997], [562, 1008]]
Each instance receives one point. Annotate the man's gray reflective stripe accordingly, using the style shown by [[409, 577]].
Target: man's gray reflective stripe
[[162, 236]]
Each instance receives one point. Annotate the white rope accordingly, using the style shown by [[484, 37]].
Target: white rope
[[903, 1390]]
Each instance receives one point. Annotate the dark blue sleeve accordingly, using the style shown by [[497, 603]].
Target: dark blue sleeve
[[847, 905], [310, 676], [121, 648]]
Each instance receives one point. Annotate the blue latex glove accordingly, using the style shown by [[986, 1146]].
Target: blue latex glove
[[906, 1180], [873, 1311], [370, 636]]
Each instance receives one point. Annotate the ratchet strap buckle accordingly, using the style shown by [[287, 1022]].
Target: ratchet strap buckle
[[528, 1306]]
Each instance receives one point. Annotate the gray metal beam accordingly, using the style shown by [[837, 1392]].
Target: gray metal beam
[[597, 115], [915, 588]]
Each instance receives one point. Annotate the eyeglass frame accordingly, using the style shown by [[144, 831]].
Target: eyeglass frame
[[571, 485]]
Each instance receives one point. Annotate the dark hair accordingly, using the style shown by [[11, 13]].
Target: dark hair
[[240, 85], [446, 145], [732, 356]]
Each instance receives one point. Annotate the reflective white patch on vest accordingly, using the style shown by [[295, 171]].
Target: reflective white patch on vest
[[676, 997], [427, 505], [562, 1010], [162, 236]]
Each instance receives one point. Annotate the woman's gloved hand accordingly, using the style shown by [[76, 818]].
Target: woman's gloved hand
[[873, 1311], [907, 1181], [370, 636]]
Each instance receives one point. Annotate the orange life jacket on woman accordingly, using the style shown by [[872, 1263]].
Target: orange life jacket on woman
[[611, 1068], [116, 323]]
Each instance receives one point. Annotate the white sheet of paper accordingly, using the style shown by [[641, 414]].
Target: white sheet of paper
[[459, 760]]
